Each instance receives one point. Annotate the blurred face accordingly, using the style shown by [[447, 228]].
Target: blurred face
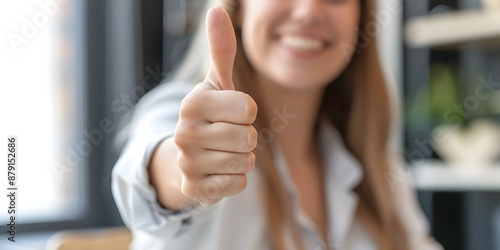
[[299, 44]]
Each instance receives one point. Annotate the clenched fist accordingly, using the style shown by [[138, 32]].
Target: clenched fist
[[214, 135]]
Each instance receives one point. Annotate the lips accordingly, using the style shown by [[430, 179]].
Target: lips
[[302, 43]]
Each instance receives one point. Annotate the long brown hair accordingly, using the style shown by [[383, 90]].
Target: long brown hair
[[357, 104]]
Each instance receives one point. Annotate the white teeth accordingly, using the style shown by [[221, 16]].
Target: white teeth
[[302, 43]]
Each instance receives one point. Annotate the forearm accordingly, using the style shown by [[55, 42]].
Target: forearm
[[165, 176]]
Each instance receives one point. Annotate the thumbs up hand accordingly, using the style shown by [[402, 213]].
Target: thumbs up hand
[[214, 135]]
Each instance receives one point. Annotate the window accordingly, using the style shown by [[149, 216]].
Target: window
[[42, 105]]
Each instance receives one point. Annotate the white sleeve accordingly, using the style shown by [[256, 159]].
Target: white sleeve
[[154, 119]]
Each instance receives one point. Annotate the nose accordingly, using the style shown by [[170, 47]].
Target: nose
[[308, 11]]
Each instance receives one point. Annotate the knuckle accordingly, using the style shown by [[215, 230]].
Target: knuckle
[[192, 104], [185, 101], [187, 106], [186, 133], [180, 139], [187, 188], [188, 164], [181, 134], [184, 161]]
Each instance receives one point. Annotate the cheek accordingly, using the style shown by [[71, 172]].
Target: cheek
[[256, 36], [345, 23], [347, 27]]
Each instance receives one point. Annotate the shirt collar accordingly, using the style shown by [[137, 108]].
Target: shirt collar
[[342, 173], [343, 169]]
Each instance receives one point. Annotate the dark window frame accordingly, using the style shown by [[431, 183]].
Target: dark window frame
[[95, 91]]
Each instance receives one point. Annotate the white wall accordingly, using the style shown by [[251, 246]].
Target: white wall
[[390, 15]]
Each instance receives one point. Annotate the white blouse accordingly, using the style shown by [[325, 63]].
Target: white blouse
[[236, 222]]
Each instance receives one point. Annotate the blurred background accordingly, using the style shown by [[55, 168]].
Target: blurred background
[[71, 70]]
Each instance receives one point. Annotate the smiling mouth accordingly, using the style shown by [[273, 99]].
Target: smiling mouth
[[304, 44]]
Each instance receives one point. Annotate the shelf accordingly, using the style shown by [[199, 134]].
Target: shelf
[[436, 176], [455, 29]]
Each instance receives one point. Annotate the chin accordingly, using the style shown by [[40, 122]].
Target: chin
[[297, 80], [299, 84]]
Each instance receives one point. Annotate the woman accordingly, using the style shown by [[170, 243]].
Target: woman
[[186, 179]]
